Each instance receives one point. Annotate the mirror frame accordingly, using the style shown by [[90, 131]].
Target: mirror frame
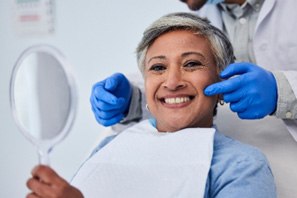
[[55, 53]]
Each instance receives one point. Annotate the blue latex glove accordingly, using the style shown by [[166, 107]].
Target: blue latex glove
[[110, 99], [252, 90]]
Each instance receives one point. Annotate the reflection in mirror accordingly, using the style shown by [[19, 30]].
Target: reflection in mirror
[[43, 98]]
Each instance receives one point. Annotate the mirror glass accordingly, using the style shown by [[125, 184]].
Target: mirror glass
[[43, 98]]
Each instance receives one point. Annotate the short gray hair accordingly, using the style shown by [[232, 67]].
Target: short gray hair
[[220, 44]]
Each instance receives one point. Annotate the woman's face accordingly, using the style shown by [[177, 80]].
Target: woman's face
[[179, 65]]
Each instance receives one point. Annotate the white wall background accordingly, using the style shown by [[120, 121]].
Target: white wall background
[[98, 37]]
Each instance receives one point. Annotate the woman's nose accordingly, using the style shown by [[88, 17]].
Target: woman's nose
[[174, 80]]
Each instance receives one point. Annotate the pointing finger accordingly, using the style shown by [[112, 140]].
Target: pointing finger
[[236, 69], [223, 87]]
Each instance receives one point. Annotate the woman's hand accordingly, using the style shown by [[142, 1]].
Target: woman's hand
[[45, 182]]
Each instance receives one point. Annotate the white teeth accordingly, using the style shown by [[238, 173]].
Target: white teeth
[[176, 100]]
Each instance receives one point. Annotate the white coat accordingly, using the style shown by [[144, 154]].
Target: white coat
[[275, 48]]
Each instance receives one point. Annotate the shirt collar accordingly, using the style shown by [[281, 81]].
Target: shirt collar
[[255, 4], [237, 10]]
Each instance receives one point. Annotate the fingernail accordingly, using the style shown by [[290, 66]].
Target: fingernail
[[208, 91]]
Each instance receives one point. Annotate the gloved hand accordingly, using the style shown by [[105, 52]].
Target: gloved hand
[[110, 99], [252, 90]]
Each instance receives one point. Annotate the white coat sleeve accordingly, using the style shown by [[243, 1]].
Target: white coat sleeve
[[287, 99], [137, 110]]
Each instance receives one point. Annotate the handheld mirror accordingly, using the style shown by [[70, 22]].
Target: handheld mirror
[[43, 97]]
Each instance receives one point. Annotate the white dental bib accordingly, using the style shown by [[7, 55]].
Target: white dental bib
[[142, 162]]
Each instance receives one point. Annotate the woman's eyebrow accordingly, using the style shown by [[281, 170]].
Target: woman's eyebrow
[[191, 53], [156, 57]]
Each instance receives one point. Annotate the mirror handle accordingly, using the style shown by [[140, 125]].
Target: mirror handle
[[43, 156]]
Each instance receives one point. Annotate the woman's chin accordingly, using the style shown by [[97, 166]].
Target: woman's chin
[[172, 127]]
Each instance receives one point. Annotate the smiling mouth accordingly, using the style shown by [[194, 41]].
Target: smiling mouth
[[177, 100]]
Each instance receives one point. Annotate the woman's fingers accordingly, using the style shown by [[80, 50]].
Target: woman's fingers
[[47, 175], [46, 183], [38, 188]]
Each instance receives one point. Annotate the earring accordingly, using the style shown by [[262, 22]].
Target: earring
[[147, 108], [221, 99]]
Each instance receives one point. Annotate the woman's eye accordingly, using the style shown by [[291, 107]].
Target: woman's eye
[[157, 68], [192, 64]]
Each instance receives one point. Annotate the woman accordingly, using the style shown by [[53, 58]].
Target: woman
[[179, 55]]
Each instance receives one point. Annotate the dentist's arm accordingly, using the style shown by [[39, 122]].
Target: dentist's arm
[[250, 90]]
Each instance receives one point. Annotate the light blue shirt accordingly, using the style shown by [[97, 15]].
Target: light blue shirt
[[239, 24], [237, 170]]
